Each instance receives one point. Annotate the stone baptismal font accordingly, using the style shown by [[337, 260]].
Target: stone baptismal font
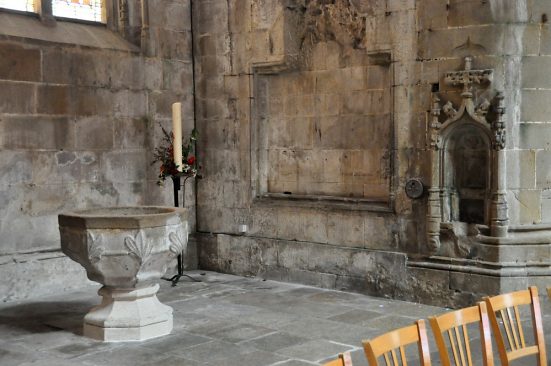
[[126, 249]]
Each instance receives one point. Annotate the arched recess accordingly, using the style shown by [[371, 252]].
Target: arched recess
[[465, 177]]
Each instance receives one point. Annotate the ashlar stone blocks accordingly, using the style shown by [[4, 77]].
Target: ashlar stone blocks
[[79, 108], [327, 130], [318, 118]]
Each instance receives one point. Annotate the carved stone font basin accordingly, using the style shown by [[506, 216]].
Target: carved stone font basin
[[127, 250]]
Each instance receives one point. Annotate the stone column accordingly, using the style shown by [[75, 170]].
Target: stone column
[[499, 210], [434, 212]]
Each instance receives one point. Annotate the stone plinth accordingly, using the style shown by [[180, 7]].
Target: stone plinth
[[126, 249], [128, 315]]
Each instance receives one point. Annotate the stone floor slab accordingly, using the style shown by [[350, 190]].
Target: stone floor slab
[[214, 351], [357, 317], [315, 350], [175, 341], [275, 341], [255, 358], [222, 320], [129, 355], [295, 363]]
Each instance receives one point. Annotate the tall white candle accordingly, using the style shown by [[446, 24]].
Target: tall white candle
[[177, 131]]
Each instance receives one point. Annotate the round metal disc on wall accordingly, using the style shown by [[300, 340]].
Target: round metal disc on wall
[[414, 188]]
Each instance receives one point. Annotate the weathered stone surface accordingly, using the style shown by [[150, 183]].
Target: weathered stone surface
[[31, 270], [36, 133], [174, 44], [65, 167], [533, 136], [534, 108], [312, 116], [545, 45], [524, 162], [17, 98], [19, 63], [94, 133], [531, 72], [331, 118], [546, 206], [129, 133], [124, 166], [172, 15], [543, 171], [520, 39], [17, 170], [66, 34], [78, 104], [321, 116]]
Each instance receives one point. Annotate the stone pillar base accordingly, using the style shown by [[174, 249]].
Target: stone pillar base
[[128, 315]]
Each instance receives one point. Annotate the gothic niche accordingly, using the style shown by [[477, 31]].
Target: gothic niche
[[467, 190], [465, 184]]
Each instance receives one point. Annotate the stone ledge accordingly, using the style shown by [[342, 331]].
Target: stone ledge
[[35, 274], [23, 257], [39, 274], [65, 33], [374, 272], [324, 202], [501, 270]]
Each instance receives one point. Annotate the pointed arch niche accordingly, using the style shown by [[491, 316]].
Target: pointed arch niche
[[467, 190]]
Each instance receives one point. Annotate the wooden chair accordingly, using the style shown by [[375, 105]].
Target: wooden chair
[[507, 307], [455, 325], [390, 344], [343, 360]]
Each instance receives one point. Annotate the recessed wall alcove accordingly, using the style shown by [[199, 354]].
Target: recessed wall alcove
[[324, 132], [467, 188], [466, 173]]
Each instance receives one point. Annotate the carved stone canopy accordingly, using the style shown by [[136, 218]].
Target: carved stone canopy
[[468, 79]]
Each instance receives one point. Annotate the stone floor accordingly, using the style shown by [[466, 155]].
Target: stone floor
[[223, 320]]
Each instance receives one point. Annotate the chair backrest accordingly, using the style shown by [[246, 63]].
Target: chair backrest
[[454, 324], [391, 345], [344, 359], [512, 345]]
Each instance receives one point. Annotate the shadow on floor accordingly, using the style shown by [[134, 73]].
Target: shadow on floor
[[42, 317]]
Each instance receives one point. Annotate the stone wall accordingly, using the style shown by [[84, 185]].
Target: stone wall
[[260, 66], [313, 116], [79, 115], [327, 128], [531, 154], [303, 224], [510, 40]]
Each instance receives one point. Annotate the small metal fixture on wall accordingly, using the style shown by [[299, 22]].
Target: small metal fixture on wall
[[414, 188]]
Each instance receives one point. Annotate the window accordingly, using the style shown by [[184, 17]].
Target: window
[[91, 10], [21, 5], [88, 10]]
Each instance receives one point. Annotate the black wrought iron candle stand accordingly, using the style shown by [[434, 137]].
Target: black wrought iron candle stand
[[177, 185]]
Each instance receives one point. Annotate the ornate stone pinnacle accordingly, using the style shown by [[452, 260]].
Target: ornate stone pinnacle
[[468, 77], [468, 63]]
